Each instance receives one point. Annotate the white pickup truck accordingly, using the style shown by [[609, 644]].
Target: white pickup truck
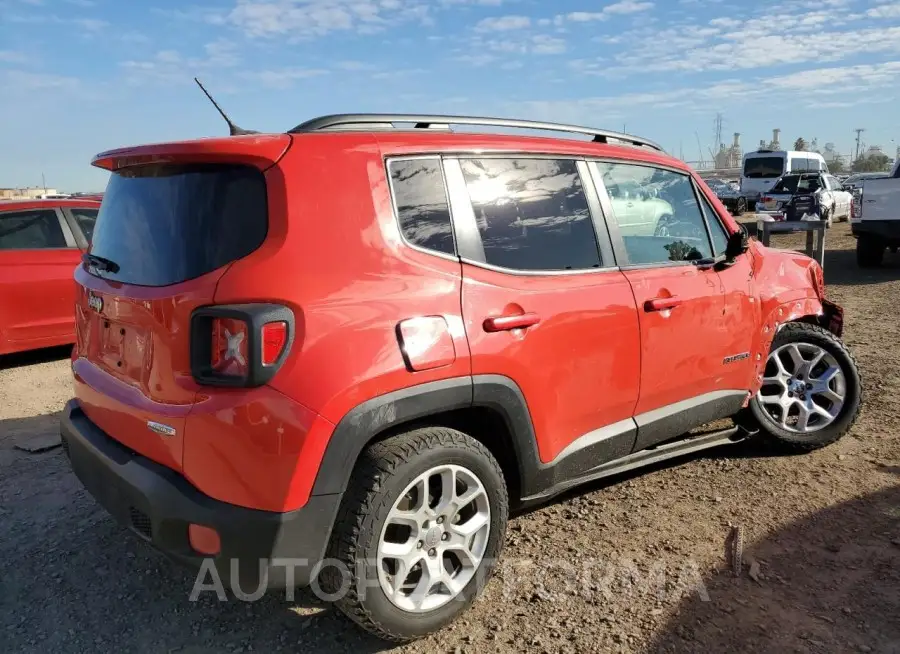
[[875, 218]]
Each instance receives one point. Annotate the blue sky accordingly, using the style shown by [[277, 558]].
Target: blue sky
[[81, 76]]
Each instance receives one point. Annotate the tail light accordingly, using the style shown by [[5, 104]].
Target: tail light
[[765, 199], [240, 345]]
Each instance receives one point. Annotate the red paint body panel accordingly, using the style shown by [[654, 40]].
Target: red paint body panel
[[681, 348], [37, 294], [335, 256], [255, 448], [350, 284], [134, 360], [578, 368]]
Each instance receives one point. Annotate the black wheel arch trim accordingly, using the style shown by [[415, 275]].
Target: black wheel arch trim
[[371, 418], [501, 395]]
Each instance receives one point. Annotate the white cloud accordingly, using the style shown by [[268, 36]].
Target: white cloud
[[171, 67], [90, 24], [12, 57], [586, 16], [306, 19], [543, 44], [618, 8], [502, 23], [19, 80], [821, 87], [283, 78], [795, 32], [884, 11], [627, 7]]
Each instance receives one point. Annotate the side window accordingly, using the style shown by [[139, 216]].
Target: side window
[[31, 230], [656, 212], [716, 229], [421, 200], [532, 214], [86, 218]]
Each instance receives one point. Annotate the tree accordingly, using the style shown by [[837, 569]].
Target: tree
[[836, 166], [800, 144], [874, 163]]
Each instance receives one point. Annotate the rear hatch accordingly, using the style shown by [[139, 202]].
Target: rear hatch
[[169, 226]]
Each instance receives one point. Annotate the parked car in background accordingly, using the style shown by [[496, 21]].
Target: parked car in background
[[855, 181], [367, 340], [730, 195], [41, 243], [761, 169], [637, 206], [876, 217], [808, 193]]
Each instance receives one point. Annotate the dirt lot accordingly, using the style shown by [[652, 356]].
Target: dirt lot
[[635, 564]]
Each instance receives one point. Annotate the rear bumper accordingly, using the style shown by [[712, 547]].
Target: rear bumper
[[158, 504], [886, 229]]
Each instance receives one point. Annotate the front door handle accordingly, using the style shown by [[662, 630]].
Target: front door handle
[[506, 323], [661, 303]]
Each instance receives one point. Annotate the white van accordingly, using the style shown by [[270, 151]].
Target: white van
[[762, 168]]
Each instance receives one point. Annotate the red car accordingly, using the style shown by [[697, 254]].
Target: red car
[[345, 353], [41, 244]]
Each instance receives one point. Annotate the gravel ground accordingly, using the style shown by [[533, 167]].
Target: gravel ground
[[634, 564]]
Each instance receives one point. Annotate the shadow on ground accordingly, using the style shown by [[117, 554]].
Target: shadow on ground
[[850, 553], [32, 357], [840, 265]]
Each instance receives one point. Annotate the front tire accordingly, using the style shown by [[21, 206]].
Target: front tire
[[420, 529], [869, 251], [811, 392], [741, 207]]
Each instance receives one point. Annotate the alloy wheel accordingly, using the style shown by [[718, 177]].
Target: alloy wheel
[[803, 388], [434, 539]]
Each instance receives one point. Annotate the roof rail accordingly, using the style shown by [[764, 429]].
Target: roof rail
[[427, 121]]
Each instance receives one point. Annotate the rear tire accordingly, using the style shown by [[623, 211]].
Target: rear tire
[[741, 207], [817, 377], [413, 482], [869, 251]]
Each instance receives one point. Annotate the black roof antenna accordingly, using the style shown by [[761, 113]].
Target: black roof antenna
[[233, 129]]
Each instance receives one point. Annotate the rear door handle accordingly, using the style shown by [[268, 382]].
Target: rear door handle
[[505, 323], [661, 303]]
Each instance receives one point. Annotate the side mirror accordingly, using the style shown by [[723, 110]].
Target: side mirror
[[738, 243]]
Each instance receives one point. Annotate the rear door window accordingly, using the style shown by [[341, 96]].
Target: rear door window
[[38, 229], [165, 224], [420, 199], [86, 219], [531, 214]]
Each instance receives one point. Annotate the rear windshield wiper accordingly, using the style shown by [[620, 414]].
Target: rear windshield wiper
[[100, 263]]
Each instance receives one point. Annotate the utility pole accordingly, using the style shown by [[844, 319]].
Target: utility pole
[[44, 183], [859, 131], [718, 142]]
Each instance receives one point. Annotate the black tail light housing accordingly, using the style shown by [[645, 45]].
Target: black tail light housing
[[240, 345]]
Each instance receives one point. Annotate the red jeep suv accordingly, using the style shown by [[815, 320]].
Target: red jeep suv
[[345, 353]]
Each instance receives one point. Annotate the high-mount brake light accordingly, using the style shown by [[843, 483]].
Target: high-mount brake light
[[240, 345]]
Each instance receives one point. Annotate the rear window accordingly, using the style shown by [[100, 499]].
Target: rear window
[[165, 224], [764, 167], [796, 184], [37, 229]]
